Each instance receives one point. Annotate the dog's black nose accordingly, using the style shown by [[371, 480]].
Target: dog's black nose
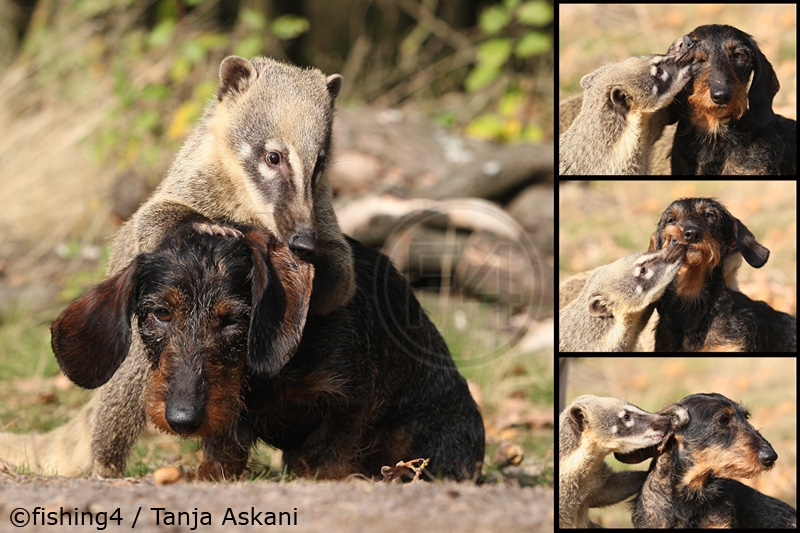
[[692, 235], [184, 418], [767, 456], [721, 94]]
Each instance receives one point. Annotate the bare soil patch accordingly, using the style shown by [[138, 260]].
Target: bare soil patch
[[351, 506]]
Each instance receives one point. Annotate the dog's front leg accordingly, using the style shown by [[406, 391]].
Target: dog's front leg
[[332, 451], [224, 456]]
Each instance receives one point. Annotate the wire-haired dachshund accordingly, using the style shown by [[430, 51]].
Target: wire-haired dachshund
[[699, 311], [688, 483], [232, 357], [723, 129]]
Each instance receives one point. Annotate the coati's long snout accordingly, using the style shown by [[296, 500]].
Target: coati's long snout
[[589, 429], [616, 302], [677, 417], [303, 242], [272, 129], [613, 425]]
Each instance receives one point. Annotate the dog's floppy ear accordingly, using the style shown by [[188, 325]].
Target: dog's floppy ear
[[281, 288], [92, 336], [753, 252], [653, 242], [763, 89], [636, 456]]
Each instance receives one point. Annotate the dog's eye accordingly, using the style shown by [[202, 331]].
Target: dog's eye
[[162, 315], [724, 420], [274, 158], [229, 324]]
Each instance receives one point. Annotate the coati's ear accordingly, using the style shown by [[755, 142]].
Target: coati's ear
[[334, 83], [619, 98], [578, 416], [235, 74], [92, 336], [600, 306], [588, 80], [281, 290]]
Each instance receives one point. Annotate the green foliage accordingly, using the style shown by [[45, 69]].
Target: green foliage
[[150, 108], [515, 34], [290, 26], [515, 26]]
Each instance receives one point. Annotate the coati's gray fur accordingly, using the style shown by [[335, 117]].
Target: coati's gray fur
[[589, 429], [256, 158], [64, 451], [622, 115], [616, 302]]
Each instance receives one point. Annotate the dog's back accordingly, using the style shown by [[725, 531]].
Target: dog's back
[[755, 510], [382, 354]]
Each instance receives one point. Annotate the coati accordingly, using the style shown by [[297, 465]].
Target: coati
[[590, 428], [622, 116], [257, 158], [617, 301]]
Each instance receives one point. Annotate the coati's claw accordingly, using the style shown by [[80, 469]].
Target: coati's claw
[[216, 229]]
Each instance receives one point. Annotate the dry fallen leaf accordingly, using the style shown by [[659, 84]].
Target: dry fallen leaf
[[402, 468]]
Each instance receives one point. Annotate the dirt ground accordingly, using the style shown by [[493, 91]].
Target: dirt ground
[[351, 506]]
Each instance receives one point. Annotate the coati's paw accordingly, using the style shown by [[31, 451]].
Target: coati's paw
[[217, 229]]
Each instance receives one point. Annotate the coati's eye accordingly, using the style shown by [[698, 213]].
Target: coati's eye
[[643, 271], [274, 158], [626, 417], [162, 315], [659, 72]]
